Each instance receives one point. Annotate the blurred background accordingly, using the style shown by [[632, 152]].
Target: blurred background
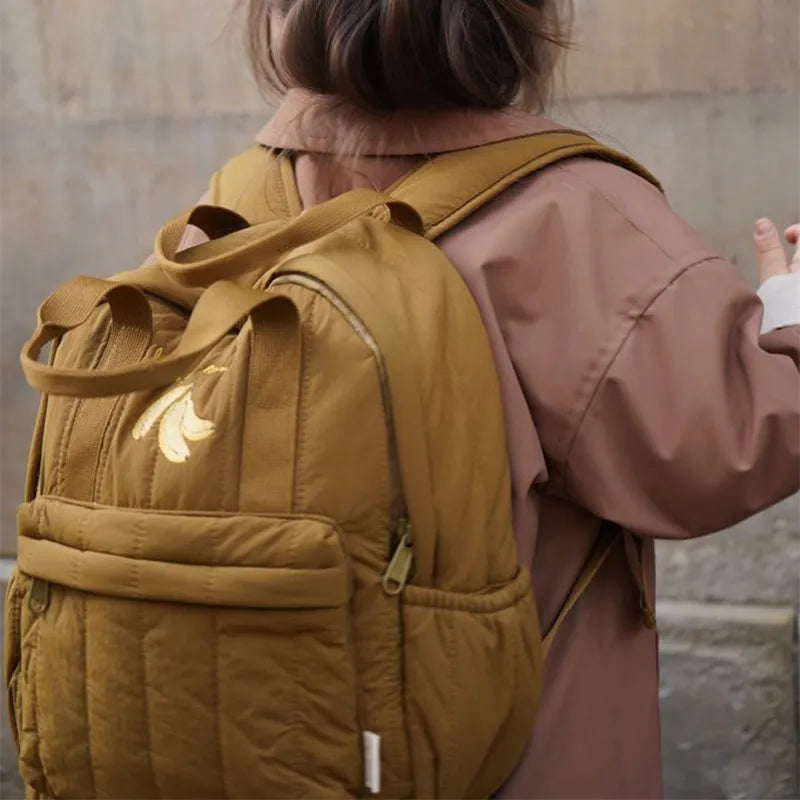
[[115, 114]]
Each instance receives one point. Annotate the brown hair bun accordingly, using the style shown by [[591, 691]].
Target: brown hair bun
[[410, 54]]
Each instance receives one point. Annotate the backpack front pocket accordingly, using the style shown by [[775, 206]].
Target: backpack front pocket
[[12, 623], [21, 625], [191, 655]]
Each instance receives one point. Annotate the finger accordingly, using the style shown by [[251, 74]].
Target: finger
[[793, 234], [795, 265], [769, 250]]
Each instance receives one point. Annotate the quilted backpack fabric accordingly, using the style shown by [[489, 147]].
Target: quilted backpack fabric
[[267, 547]]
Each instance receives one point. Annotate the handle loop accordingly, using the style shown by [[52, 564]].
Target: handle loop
[[70, 306], [214, 221], [220, 309], [258, 246]]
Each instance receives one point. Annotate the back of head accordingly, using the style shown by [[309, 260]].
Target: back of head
[[385, 55]]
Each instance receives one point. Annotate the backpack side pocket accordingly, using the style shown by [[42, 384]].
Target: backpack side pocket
[[473, 666]]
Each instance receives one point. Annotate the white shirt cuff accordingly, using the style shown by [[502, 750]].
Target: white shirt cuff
[[780, 295]]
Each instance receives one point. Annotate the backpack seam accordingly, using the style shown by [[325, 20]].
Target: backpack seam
[[105, 445], [449, 757], [353, 237], [296, 717], [36, 717], [215, 683], [228, 442], [73, 409]]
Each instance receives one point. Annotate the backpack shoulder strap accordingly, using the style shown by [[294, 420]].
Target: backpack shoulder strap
[[259, 184], [606, 540], [452, 186]]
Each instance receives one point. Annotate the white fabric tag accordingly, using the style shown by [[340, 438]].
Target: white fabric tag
[[372, 761]]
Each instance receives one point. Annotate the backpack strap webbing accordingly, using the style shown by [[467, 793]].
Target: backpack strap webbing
[[259, 184], [451, 186], [608, 538], [605, 542], [634, 552]]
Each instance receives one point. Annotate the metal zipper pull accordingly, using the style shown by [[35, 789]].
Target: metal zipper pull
[[39, 596], [396, 576]]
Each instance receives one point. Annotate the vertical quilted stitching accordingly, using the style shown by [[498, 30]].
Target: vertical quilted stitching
[[295, 723], [84, 628], [143, 629], [112, 425], [85, 635], [215, 688], [215, 684], [298, 410], [449, 767], [146, 697], [73, 410], [61, 444], [84, 518], [230, 464], [403, 725], [34, 723], [148, 496]]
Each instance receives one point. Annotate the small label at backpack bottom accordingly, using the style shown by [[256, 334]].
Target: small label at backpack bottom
[[372, 762]]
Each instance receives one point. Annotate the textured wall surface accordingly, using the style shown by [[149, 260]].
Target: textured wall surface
[[114, 114]]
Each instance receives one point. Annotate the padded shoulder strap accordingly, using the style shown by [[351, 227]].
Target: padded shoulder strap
[[452, 186], [258, 184]]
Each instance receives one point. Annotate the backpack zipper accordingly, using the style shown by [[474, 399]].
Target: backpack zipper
[[38, 596], [401, 547], [396, 576]]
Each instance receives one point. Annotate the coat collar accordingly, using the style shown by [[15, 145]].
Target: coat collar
[[322, 124]]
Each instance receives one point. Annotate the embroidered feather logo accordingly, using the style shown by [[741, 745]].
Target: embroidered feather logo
[[179, 423]]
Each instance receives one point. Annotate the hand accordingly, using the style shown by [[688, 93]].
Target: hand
[[769, 250]]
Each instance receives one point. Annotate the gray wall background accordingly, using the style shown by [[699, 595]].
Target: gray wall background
[[114, 114]]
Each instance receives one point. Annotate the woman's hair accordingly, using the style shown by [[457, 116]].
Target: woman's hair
[[385, 55]]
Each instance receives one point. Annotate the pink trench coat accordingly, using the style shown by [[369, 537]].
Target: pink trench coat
[[637, 388]]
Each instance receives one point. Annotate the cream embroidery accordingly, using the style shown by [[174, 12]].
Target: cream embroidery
[[180, 423]]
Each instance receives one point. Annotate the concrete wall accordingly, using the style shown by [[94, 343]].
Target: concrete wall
[[115, 114]]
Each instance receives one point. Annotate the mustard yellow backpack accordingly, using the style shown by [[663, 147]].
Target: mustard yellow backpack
[[267, 549]]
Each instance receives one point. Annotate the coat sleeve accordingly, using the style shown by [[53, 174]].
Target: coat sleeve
[[695, 424], [658, 403]]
